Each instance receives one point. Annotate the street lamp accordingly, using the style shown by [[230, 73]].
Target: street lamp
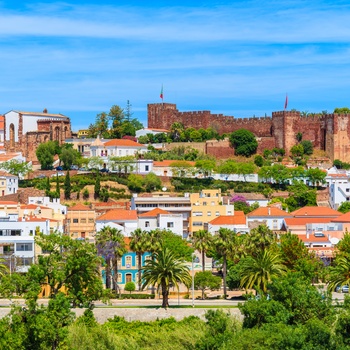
[[193, 257]]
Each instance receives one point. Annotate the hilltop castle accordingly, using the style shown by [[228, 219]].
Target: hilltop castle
[[330, 132]]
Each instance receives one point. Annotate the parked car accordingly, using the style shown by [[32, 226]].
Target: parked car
[[59, 168], [57, 174], [74, 167], [104, 170], [342, 289], [40, 176]]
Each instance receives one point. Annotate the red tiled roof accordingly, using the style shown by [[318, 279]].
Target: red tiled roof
[[154, 213], [123, 143], [342, 218], [303, 221], [168, 163], [314, 239], [79, 207], [236, 219], [8, 156], [7, 203], [268, 211], [33, 206], [118, 215], [316, 211]]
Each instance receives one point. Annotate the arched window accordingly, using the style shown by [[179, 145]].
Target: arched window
[[57, 134], [12, 136], [128, 261]]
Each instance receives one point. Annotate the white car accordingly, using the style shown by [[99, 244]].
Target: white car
[[57, 174]]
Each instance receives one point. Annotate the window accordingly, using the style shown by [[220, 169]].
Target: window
[[128, 261], [204, 203], [197, 223], [83, 221], [24, 247], [147, 224], [170, 224], [91, 221], [209, 213], [27, 261], [212, 203], [119, 277], [75, 221], [147, 168], [275, 224], [217, 213], [197, 213]]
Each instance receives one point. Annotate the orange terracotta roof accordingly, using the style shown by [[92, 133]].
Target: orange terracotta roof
[[8, 156], [118, 215], [123, 143], [8, 203], [41, 114], [303, 221], [33, 206], [314, 239], [168, 163], [316, 211], [79, 207], [339, 175], [154, 213], [5, 173], [342, 218], [229, 220], [33, 219], [268, 211]]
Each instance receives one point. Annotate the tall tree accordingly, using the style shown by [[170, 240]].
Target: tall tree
[[259, 239], [58, 191], [3, 267], [46, 152], [16, 167], [259, 271], [97, 187], [225, 243], [165, 270], [138, 244], [67, 186], [111, 246], [117, 117], [202, 241]]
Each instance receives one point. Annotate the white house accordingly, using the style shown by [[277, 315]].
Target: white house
[[236, 222], [339, 189], [17, 239], [272, 217], [121, 219], [161, 219], [153, 131], [8, 183]]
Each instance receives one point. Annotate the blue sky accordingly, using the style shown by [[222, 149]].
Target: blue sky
[[237, 58]]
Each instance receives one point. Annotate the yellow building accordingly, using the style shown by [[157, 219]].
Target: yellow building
[[206, 206], [83, 133], [80, 222]]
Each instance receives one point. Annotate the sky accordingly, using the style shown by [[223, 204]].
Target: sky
[[237, 58]]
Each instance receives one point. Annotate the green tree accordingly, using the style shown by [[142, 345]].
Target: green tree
[[178, 246], [344, 207], [138, 244], [258, 272], [135, 182], [202, 241], [47, 187], [342, 110], [3, 267], [225, 244], [316, 176], [69, 156], [130, 286], [97, 187], [181, 168], [111, 246], [152, 182], [72, 264], [46, 152], [57, 193], [176, 130], [300, 196], [205, 166], [297, 151], [16, 167], [117, 117], [86, 194], [339, 274], [165, 270], [206, 280], [244, 142], [258, 239], [245, 169], [307, 146], [67, 186], [259, 161]]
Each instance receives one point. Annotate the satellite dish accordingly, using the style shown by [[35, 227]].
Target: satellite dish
[[164, 189], [334, 240]]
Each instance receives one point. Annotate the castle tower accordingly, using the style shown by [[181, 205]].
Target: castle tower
[[161, 115]]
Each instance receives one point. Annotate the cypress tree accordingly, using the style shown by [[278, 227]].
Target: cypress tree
[[57, 188], [47, 187], [67, 187], [97, 185]]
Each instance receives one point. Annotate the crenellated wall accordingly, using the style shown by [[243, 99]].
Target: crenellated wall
[[330, 132]]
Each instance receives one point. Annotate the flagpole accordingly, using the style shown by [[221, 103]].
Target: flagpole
[[286, 102]]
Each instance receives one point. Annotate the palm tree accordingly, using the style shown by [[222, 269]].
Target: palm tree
[[111, 246], [165, 270], [340, 274], [202, 241], [258, 240], [138, 245], [260, 270], [225, 243], [176, 129], [3, 267]]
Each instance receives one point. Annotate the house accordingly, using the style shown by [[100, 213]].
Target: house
[[153, 131], [161, 219], [205, 206], [121, 219], [252, 198], [174, 168], [80, 222], [8, 183], [272, 217], [315, 212], [237, 223], [17, 234], [339, 189]]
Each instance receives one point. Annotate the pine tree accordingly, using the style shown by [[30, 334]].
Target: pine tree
[[47, 187], [67, 187]]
